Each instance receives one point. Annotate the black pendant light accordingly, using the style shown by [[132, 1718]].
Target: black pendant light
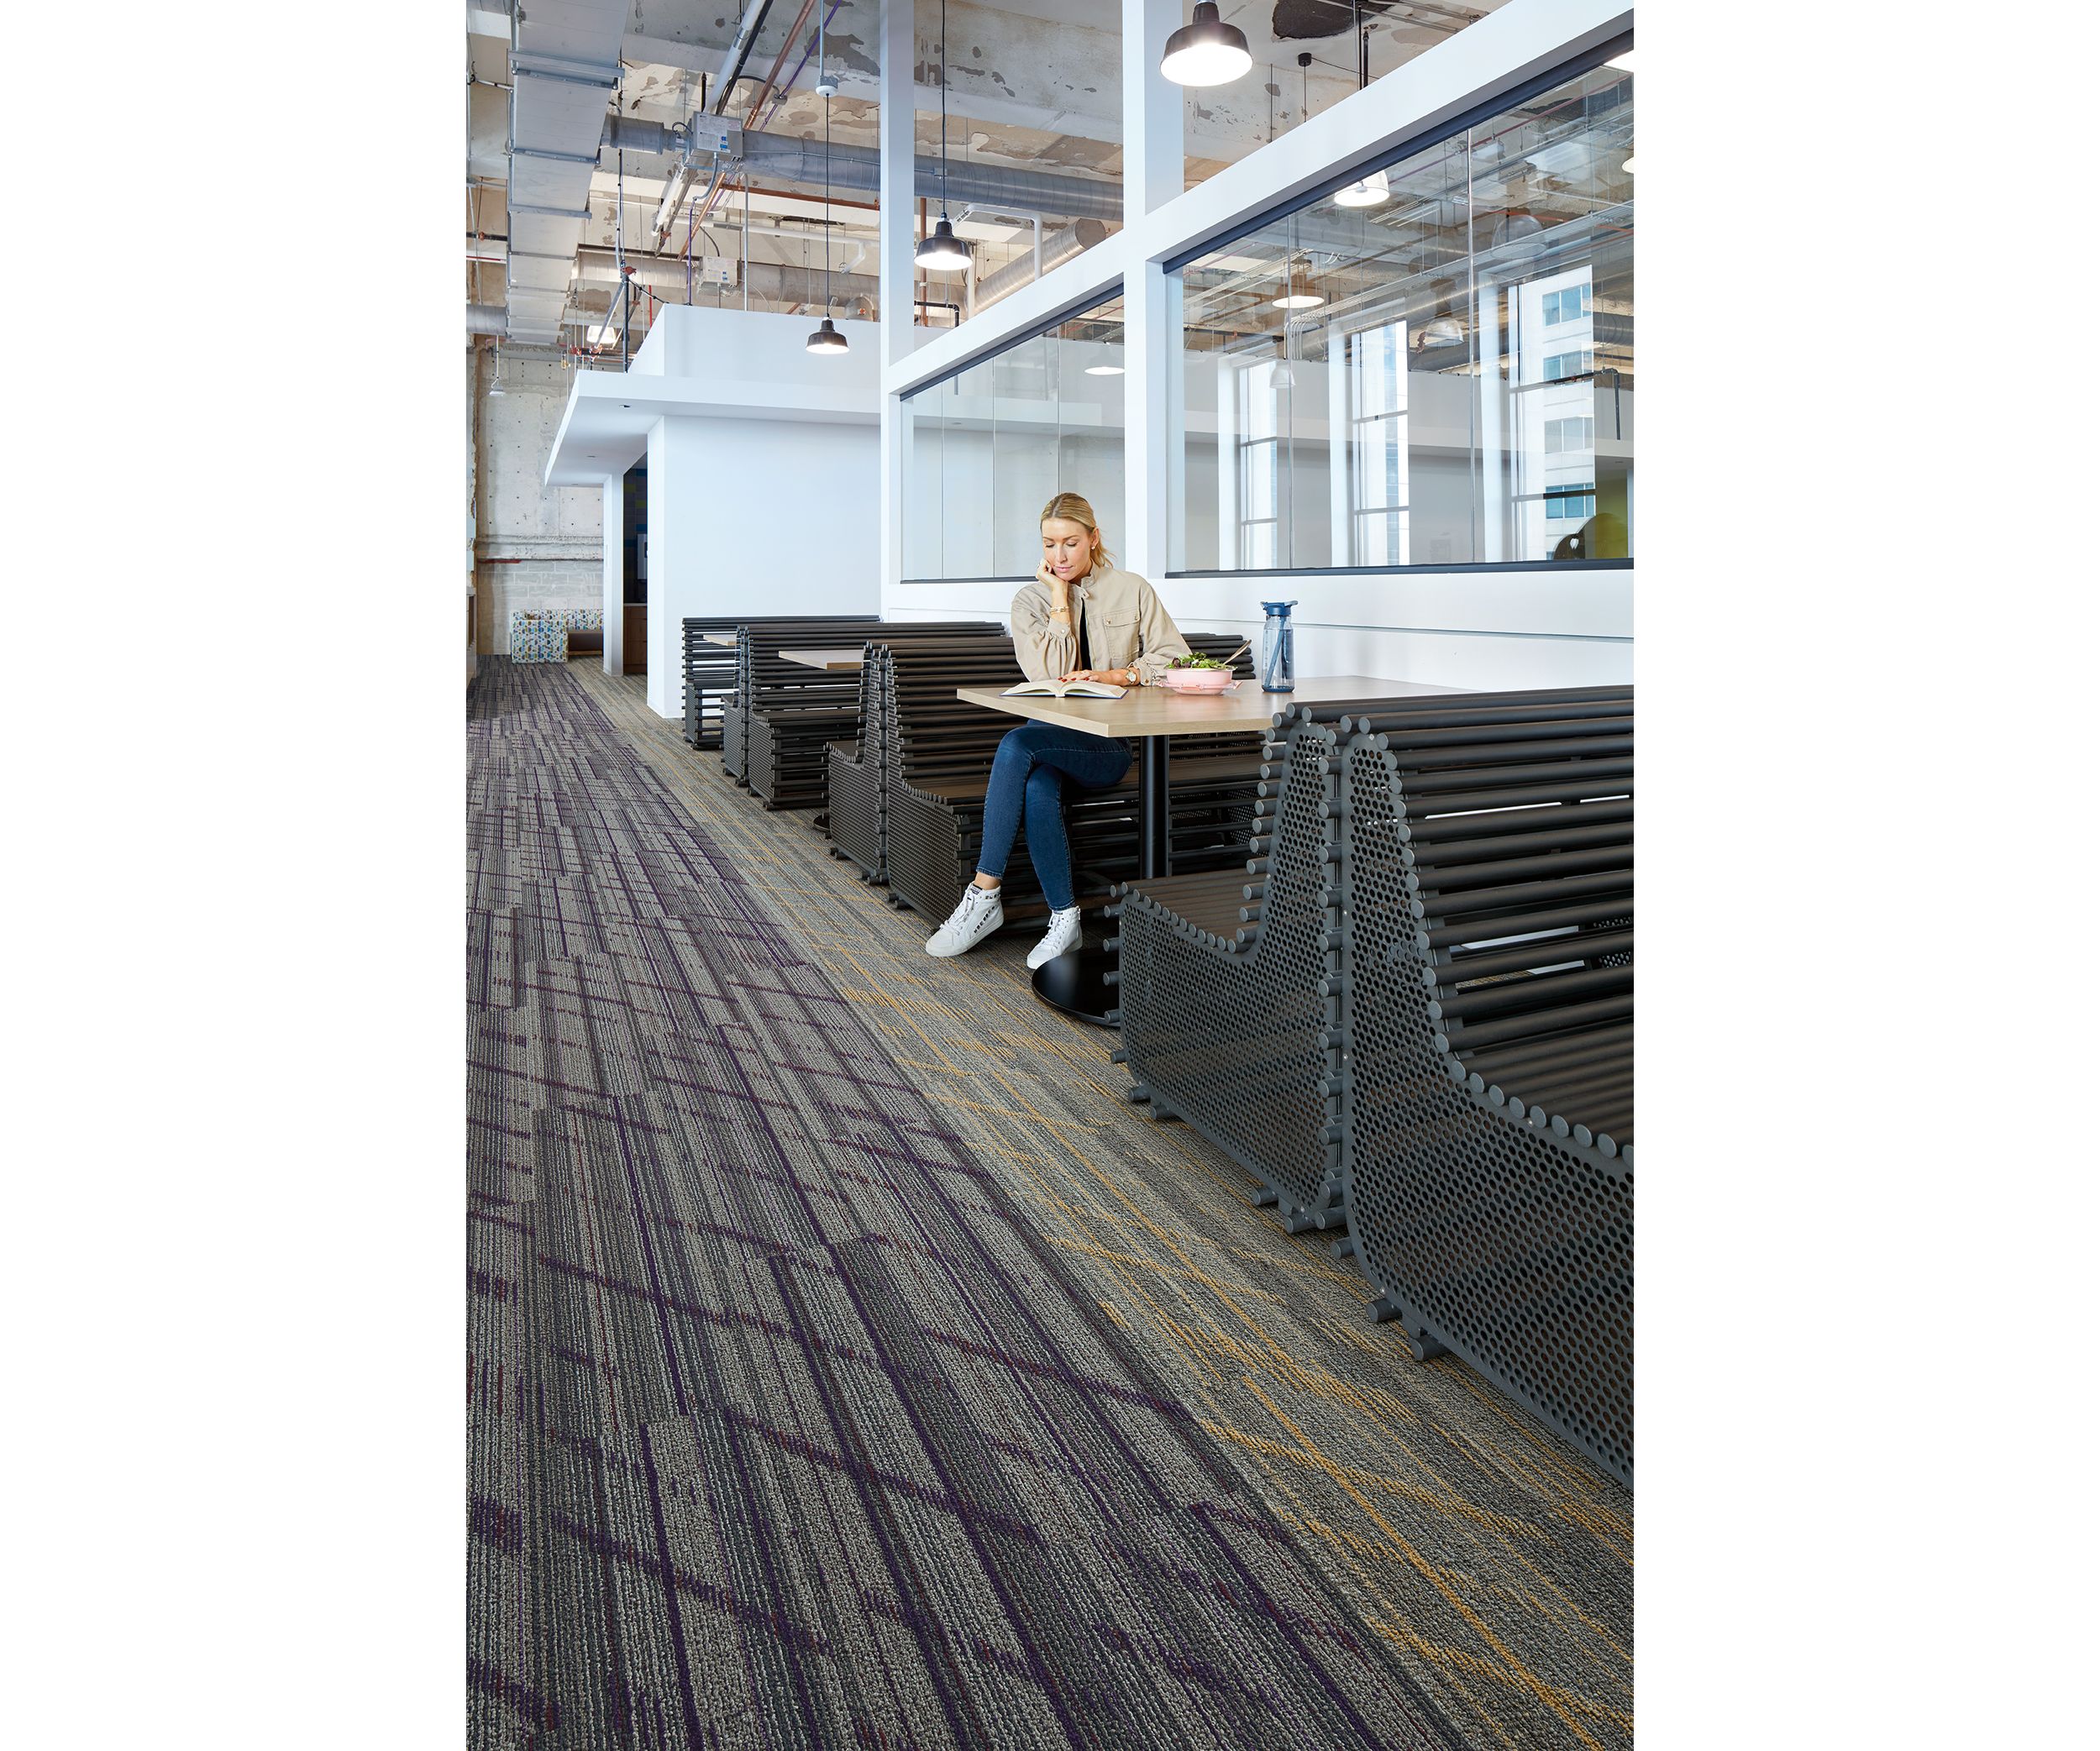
[[943, 252], [1206, 51], [826, 338]]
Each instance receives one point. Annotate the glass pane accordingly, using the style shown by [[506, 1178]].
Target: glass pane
[[1034, 156], [1024, 454], [1552, 234], [925, 520], [1431, 364], [966, 469], [1087, 367]]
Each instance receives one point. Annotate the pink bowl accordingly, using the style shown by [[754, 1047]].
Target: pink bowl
[[1197, 680]]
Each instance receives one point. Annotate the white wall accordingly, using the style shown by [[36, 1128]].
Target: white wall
[[1547, 628], [756, 516]]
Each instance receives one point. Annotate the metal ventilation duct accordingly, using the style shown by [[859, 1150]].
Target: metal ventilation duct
[[565, 67], [1058, 248]]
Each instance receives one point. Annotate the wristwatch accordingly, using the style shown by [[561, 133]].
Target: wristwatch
[[1132, 673]]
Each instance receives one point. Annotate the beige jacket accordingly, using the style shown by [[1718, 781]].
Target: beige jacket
[[1126, 628]]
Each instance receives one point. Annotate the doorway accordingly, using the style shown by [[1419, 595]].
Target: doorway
[[634, 569]]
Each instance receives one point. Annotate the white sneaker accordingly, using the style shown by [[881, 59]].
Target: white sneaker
[[1060, 939], [970, 924]]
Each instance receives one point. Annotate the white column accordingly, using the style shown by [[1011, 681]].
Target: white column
[[897, 199], [615, 514], [1340, 462], [1151, 177], [896, 238], [1493, 400], [896, 462], [1151, 108], [675, 535]]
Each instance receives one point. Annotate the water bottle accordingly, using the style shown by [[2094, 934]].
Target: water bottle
[[1279, 670]]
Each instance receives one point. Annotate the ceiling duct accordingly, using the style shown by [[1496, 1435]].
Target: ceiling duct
[[1058, 248], [780, 282], [564, 68]]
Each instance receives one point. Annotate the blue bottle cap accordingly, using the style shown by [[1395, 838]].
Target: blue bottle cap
[[1280, 607]]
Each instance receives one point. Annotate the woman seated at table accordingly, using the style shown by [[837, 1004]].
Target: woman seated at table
[[1079, 619]]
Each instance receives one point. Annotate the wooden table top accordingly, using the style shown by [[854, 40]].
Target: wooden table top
[[837, 658], [1162, 712], [728, 638]]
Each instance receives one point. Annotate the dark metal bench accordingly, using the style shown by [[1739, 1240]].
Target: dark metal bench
[[792, 712], [1487, 1158], [711, 674], [1231, 985]]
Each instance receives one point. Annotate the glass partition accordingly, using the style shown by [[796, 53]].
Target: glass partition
[[985, 450], [1034, 153], [1442, 377]]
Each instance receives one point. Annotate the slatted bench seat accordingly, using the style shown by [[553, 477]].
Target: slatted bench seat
[[1230, 984], [1487, 1157], [710, 672], [938, 761], [793, 712]]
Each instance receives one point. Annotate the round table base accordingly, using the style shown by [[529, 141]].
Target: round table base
[[1074, 983]]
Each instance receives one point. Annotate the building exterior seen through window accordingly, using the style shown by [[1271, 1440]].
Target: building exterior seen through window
[[1445, 379]]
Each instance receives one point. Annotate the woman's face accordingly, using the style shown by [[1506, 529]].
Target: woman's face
[[1068, 548]]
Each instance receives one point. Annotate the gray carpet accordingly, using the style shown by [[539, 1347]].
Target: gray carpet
[[848, 1366]]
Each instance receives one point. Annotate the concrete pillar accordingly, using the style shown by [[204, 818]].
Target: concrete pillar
[[1151, 177], [612, 592]]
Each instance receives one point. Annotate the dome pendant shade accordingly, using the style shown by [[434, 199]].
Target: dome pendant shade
[[825, 339], [1298, 293], [944, 252], [1372, 192], [1205, 51]]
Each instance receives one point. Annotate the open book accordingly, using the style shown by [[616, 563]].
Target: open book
[[1068, 690]]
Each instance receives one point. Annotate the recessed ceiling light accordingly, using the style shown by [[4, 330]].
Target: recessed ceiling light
[[1629, 166], [1105, 370]]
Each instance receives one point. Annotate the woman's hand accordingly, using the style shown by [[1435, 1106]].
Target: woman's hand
[[1060, 590], [1114, 676]]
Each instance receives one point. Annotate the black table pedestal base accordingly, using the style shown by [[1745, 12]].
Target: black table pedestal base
[[1074, 983]]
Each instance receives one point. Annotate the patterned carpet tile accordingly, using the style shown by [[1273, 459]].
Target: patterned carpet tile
[[850, 1364]]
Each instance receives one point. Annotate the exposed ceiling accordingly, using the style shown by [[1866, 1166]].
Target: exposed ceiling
[[1026, 93]]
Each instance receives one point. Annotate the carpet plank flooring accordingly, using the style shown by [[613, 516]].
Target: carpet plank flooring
[[850, 1364]]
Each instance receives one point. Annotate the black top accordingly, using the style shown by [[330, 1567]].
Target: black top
[[1080, 610]]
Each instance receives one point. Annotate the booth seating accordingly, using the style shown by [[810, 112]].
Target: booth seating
[[710, 672], [853, 779], [793, 712], [1232, 984], [1433, 965], [937, 760], [1487, 1130]]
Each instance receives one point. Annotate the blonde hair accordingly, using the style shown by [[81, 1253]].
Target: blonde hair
[[1073, 509]]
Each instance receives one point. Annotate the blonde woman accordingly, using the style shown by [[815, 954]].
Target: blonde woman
[[1081, 618]]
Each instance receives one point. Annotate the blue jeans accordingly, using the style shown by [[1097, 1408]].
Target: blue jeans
[[1030, 771]]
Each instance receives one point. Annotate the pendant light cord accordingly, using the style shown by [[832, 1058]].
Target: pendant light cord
[[943, 108], [827, 170]]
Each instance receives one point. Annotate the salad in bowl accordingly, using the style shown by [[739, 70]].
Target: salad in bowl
[[1197, 675]]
